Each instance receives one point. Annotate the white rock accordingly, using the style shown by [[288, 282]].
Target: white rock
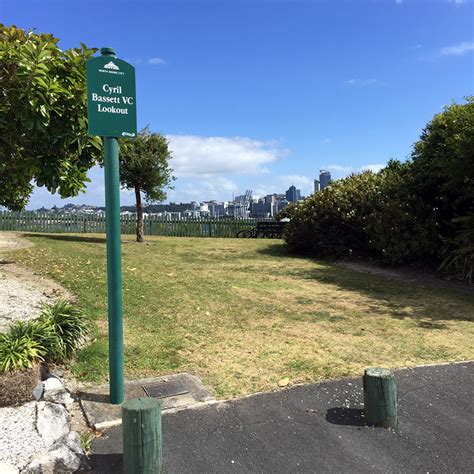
[[73, 441], [66, 455], [38, 392], [52, 383], [59, 395], [52, 422], [61, 459], [8, 469]]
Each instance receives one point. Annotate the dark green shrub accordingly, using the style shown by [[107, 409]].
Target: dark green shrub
[[364, 214], [41, 332], [18, 353], [55, 335], [68, 322], [400, 227], [331, 222], [459, 259]]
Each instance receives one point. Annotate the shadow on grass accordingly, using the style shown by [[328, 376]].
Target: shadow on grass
[[400, 299], [280, 250], [68, 238]]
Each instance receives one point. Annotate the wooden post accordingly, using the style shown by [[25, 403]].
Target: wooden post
[[141, 425], [380, 397]]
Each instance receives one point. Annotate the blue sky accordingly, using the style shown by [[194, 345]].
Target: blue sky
[[262, 94]]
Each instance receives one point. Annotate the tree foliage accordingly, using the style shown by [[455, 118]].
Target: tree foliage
[[43, 117], [144, 168], [443, 162]]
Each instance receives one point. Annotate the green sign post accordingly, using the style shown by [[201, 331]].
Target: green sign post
[[112, 114]]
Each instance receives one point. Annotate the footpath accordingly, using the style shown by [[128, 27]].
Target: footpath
[[320, 428]]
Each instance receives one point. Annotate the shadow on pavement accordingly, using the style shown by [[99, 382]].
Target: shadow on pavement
[[106, 463], [93, 397], [346, 416]]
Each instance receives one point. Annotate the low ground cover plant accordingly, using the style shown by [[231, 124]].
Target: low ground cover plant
[[53, 336]]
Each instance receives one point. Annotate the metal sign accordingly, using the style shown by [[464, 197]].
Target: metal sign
[[111, 97]]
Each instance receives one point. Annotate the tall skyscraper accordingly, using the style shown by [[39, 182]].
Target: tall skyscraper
[[324, 178], [316, 186], [293, 194]]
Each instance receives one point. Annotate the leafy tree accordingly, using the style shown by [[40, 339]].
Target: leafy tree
[[144, 168], [443, 163], [43, 117]]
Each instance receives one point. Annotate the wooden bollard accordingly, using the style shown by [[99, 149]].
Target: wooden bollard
[[380, 397], [141, 426]]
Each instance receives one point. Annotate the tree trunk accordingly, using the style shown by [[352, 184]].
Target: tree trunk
[[139, 206]]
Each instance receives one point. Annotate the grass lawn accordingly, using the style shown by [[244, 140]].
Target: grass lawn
[[243, 315]]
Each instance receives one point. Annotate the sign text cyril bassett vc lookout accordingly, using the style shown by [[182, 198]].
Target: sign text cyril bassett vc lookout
[[111, 97]]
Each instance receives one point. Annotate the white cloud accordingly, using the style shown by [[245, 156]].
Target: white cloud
[[398, 2], [210, 156], [217, 187], [457, 2], [325, 141], [363, 82], [341, 170], [296, 179], [156, 61], [375, 168], [458, 49], [301, 182]]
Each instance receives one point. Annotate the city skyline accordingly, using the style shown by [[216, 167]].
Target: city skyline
[[259, 95], [292, 194]]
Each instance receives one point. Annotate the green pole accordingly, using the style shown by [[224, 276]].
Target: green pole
[[114, 264]]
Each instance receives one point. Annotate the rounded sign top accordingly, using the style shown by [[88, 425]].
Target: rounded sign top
[[111, 104], [106, 51]]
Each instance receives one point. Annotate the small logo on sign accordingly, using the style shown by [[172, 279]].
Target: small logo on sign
[[111, 65], [127, 134]]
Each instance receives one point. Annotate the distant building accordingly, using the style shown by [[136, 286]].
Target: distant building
[[217, 209], [324, 178], [293, 194], [261, 209], [281, 204], [270, 198], [317, 188]]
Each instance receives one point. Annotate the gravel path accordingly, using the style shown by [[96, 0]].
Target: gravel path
[[18, 301], [21, 291], [19, 439]]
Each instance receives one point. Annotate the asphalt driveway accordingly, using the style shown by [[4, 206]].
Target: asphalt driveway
[[320, 428]]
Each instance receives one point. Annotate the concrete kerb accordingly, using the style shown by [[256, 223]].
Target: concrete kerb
[[100, 414]]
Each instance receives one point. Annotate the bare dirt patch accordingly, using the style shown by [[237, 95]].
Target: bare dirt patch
[[17, 387], [12, 241]]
